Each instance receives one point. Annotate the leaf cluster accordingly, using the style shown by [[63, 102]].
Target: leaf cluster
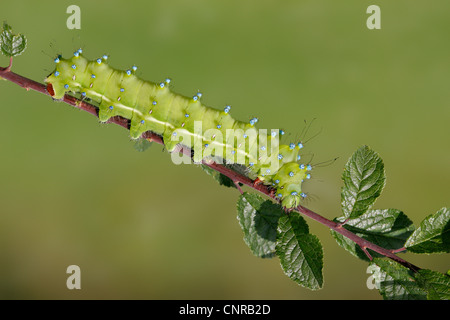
[[11, 45], [269, 231]]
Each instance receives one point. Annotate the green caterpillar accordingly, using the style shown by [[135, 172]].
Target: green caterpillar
[[209, 132]]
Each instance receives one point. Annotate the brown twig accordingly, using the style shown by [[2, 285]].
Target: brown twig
[[237, 178]]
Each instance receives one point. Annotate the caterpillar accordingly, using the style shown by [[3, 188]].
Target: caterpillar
[[181, 120]]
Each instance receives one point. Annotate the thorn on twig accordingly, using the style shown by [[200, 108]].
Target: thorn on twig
[[341, 224]]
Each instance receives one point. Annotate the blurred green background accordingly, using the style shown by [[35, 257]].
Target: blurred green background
[[73, 191]]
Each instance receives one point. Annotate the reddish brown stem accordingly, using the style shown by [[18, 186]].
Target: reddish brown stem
[[8, 68], [234, 176]]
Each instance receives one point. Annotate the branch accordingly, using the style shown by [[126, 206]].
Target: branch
[[234, 176]]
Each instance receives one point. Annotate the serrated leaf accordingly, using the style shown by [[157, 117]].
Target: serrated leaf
[[142, 144], [396, 282], [435, 283], [220, 178], [300, 252], [388, 228], [11, 45], [364, 179], [258, 219], [432, 235]]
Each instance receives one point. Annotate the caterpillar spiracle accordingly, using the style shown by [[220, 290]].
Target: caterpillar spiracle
[[178, 119]]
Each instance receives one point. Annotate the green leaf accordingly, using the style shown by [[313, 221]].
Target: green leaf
[[11, 45], [396, 282], [364, 179], [388, 228], [220, 178], [435, 283], [142, 144], [258, 219], [432, 235], [300, 252]]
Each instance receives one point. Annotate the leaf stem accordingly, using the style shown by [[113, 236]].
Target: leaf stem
[[238, 187], [8, 68], [237, 178]]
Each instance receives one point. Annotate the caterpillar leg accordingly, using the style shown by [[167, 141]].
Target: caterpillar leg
[[257, 182]]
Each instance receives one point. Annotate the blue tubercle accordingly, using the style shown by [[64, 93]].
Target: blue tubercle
[[253, 121]]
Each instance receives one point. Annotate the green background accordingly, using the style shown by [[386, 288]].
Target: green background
[[73, 191]]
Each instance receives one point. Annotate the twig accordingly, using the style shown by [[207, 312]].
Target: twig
[[234, 176]]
